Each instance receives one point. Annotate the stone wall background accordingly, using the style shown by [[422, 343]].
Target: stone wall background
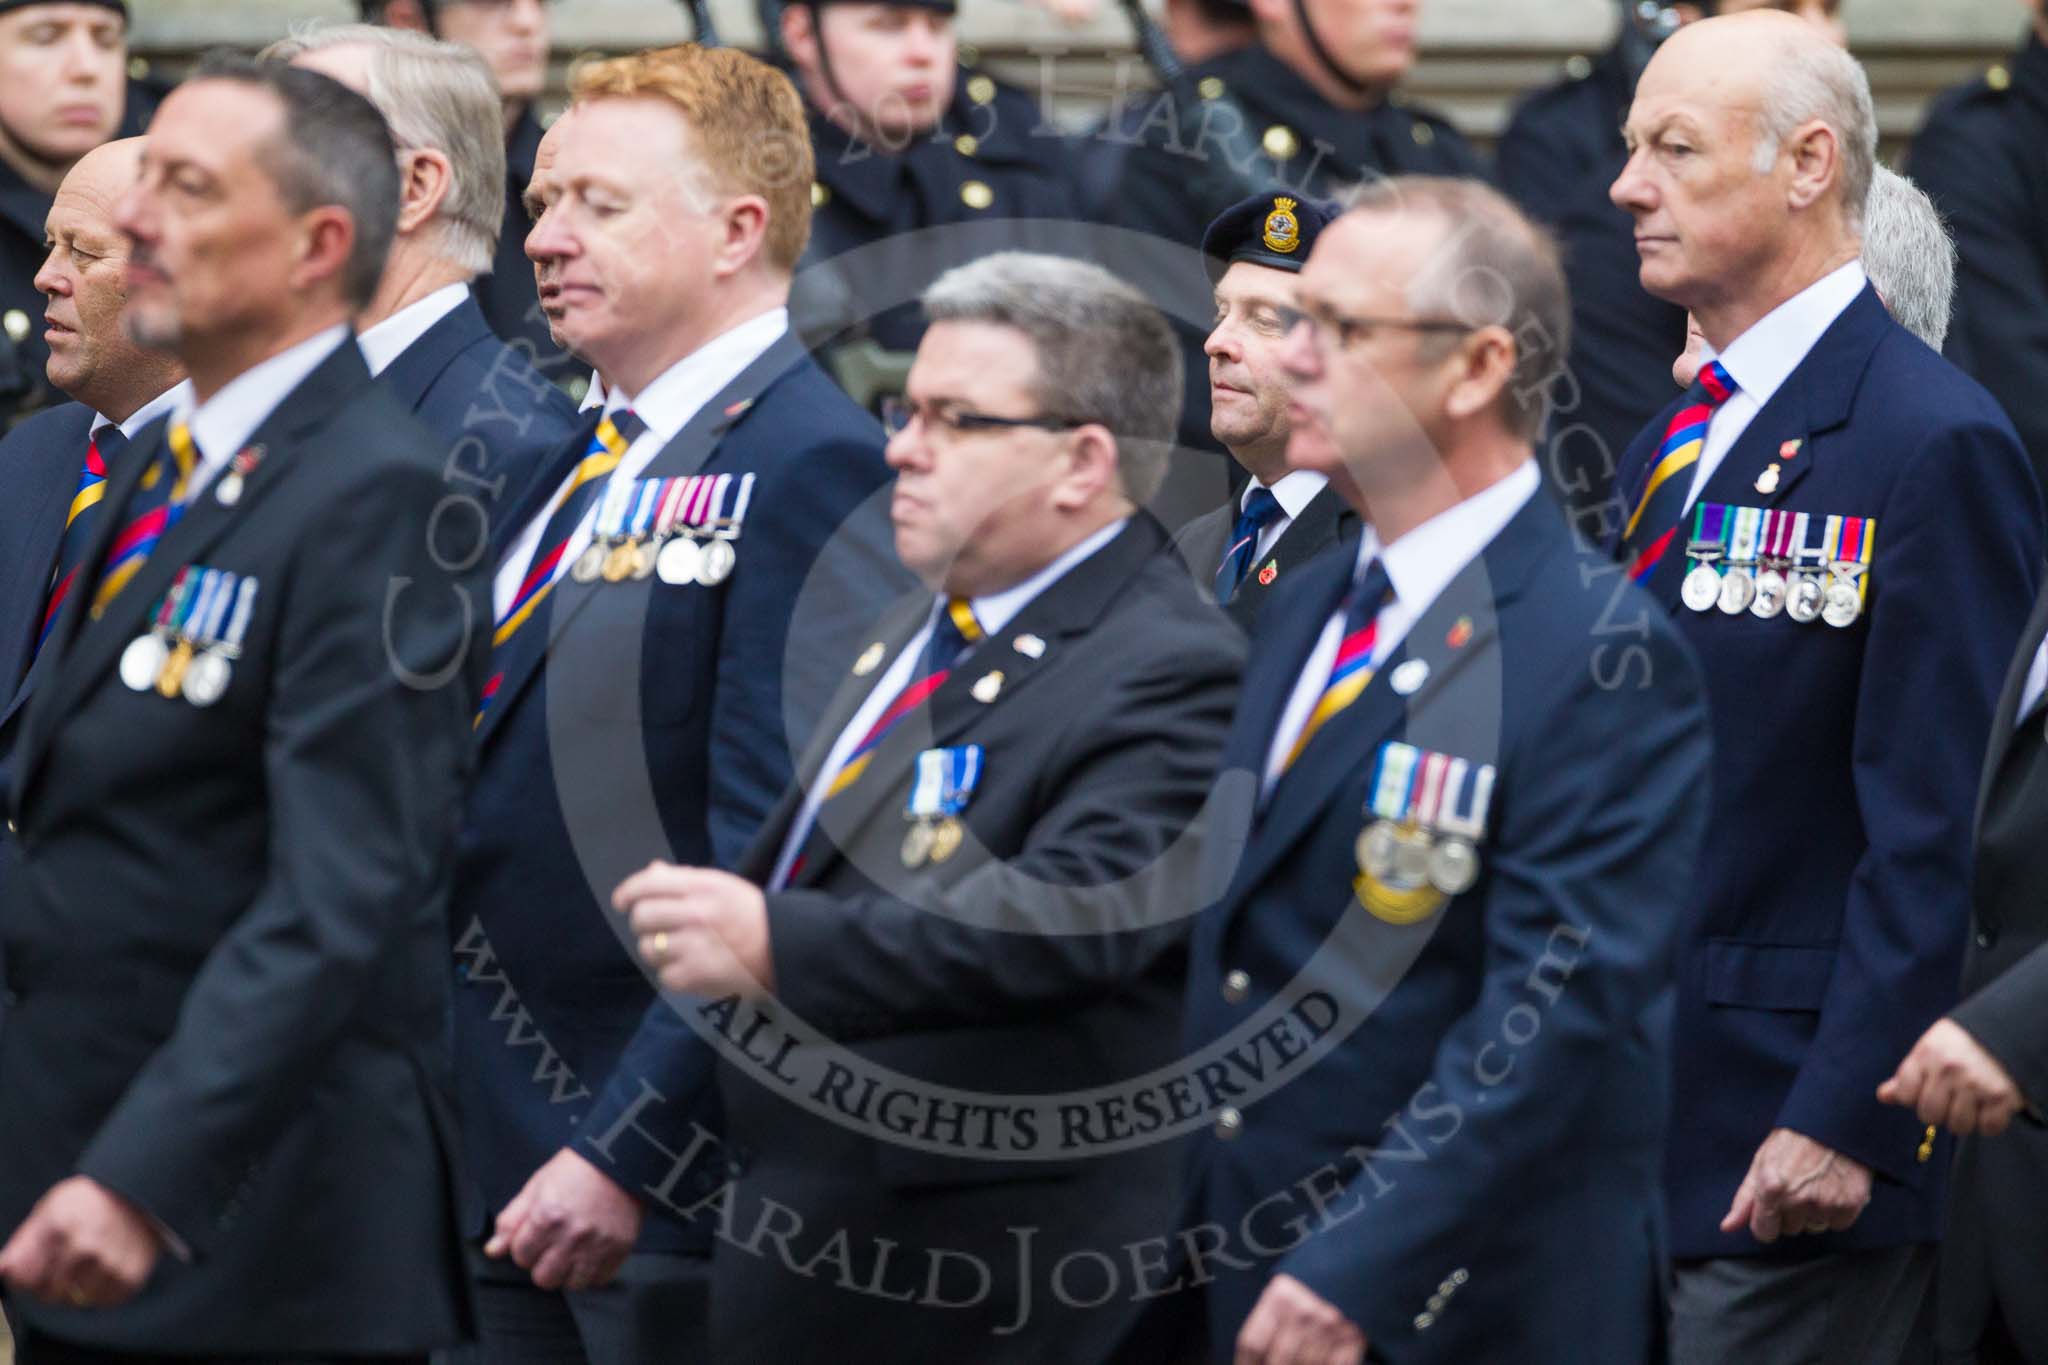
[[1477, 55]]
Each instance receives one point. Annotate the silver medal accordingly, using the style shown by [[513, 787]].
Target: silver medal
[[589, 564], [718, 563], [1843, 605], [142, 661], [1411, 857], [678, 560], [1702, 587], [1453, 866], [206, 681], [1375, 849], [1770, 594], [1738, 590]]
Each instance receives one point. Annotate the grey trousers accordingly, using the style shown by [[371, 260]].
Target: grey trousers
[[1848, 1308], [657, 1312]]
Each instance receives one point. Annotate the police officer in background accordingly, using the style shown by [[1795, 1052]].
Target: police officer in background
[[514, 37], [1983, 156], [1309, 107], [906, 137], [1561, 151], [63, 91]]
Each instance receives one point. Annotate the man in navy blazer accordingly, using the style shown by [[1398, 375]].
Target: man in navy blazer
[[1427, 1020], [57, 460], [656, 612], [425, 335], [1850, 536]]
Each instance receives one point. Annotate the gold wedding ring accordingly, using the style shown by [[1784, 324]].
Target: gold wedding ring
[[661, 946], [77, 1297]]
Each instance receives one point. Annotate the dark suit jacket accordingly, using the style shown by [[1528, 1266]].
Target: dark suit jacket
[[40, 460], [1327, 520], [1023, 967], [1485, 1126], [497, 417], [229, 922], [1996, 1241], [1827, 918], [663, 722]]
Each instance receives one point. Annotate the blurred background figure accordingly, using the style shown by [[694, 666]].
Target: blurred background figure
[[514, 37], [64, 90], [1560, 152], [1983, 155]]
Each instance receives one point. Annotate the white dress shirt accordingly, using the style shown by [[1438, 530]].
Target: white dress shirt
[[1763, 358], [1420, 566], [992, 613], [2036, 684], [223, 424], [394, 336], [666, 405], [176, 398], [1294, 490]]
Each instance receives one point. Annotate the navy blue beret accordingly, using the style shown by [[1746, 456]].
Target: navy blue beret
[[1274, 229]]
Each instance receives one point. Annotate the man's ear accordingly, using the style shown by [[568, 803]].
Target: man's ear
[[1816, 164], [427, 181], [1485, 363], [1092, 465]]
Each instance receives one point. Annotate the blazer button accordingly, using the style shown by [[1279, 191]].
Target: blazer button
[[1229, 1123], [1986, 936], [1236, 987]]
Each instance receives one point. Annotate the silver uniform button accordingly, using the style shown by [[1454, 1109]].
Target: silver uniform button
[[1236, 986], [1229, 1123]]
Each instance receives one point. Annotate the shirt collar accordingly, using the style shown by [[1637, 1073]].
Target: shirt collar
[[593, 397], [1763, 358], [176, 397], [1294, 491], [223, 424], [673, 397], [994, 612], [394, 336], [1422, 563]]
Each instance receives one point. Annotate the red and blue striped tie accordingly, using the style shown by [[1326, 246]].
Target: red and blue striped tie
[[1351, 671], [158, 503], [1660, 507], [953, 633], [79, 523]]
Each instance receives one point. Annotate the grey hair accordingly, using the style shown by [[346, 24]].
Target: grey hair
[[1105, 354], [1493, 268], [335, 149], [434, 95], [1909, 255], [1814, 79]]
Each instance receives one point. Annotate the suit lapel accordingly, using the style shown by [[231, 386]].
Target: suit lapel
[[2005, 721], [420, 364], [90, 644], [692, 448], [968, 698], [1780, 445], [1326, 520]]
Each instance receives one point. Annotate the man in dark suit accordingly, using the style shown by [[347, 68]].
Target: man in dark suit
[[1983, 155], [1460, 810], [646, 690], [424, 335], [57, 461], [1283, 515], [232, 792], [1850, 535], [1983, 1064], [515, 37], [973, 883]]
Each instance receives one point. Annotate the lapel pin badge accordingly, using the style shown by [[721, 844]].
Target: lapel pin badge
[[1269, 573], [1767, 482], [1030, 646], [870, 659], [988, 687], [1460, 633], [1409, 675], [1790, 448]]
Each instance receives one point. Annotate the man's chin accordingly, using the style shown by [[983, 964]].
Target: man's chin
[[152, 331]]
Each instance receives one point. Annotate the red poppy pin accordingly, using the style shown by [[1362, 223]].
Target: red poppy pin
[[1459, 633], [1269, 573]]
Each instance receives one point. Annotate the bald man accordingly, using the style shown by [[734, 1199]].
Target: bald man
[[1849, 534], [54, 462]]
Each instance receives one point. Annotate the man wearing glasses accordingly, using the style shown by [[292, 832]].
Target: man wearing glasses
[[1466, 818], [977, 891]]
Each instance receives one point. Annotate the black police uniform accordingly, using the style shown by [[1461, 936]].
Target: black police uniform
[[1561, 152], [992, 156], [1177, 176], [1983, 157]]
